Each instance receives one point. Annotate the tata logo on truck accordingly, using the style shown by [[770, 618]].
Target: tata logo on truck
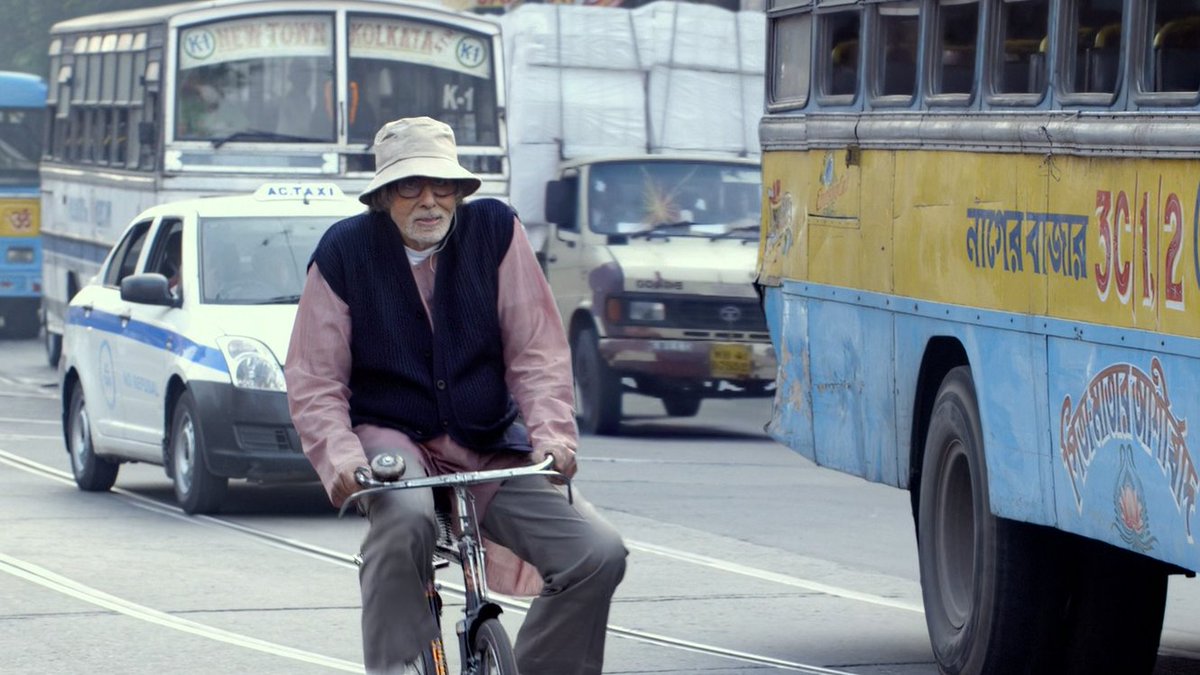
[[658, 283]]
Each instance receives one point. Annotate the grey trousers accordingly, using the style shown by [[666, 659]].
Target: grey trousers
[[580, 557]]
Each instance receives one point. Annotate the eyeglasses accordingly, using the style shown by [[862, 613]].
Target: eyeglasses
[[413, 187]]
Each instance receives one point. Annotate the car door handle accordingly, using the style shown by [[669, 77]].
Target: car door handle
[[551, 258], [124, 317], [87, 309]]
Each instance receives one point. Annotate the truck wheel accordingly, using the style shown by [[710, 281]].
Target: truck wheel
[[197, 489], [682, 405], [597, 388], [989, 584]]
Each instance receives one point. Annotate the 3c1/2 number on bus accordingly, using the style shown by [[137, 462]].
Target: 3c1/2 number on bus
[[1118, 218]]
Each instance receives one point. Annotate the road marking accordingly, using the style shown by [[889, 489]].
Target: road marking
[[47, 579], [786, 580], [26, 420], [336, 557]]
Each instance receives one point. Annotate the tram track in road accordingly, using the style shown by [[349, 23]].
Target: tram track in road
[[327, 555]]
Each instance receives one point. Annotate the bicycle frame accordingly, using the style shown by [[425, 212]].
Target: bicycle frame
[[460, 543]]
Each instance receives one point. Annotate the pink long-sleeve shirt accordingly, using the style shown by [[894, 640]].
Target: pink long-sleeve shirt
[[538, 375]]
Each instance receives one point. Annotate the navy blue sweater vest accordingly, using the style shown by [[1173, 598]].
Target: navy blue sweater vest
[[404, 376]]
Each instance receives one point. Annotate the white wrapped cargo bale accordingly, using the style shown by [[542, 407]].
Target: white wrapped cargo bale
[[696, 110], [685, 35], [570, 36], [604, 111], [753, 100], [534, 104], [752, 39], [531, 165]]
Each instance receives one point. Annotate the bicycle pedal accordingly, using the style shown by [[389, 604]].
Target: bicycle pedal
[[439, 562]]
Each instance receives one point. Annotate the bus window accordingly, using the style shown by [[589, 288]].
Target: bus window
[[228, 85], [954, 52], [792, 40], [838, 34], [1173, 61], [1093, 46], [899, 26], [455, 76], [1021, 60]]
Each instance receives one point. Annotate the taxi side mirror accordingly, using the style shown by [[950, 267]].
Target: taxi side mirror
[[148, 289]]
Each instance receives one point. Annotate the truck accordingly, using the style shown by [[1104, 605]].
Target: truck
[[651, 259], [633, 148]]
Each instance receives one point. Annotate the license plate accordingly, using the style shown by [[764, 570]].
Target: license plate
[[730, 361]]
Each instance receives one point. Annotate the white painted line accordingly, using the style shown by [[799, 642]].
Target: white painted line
[[60, 584], [519, 605], [26, 420], [653, 549], [774, 577]]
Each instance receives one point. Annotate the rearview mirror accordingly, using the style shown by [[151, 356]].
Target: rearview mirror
[[560, 203]]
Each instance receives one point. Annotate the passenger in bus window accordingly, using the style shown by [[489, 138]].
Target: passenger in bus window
[[302, 110], [442, 382], [197, 98]]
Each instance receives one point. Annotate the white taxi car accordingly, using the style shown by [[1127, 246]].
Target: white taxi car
[[172, 354]]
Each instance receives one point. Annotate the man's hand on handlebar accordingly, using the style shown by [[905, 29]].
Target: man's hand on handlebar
[[345, 484], [564, 458]]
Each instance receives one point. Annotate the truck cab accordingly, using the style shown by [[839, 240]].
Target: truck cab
[[651, 260]]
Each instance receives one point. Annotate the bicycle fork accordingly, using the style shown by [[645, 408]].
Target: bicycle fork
[[477, 607]]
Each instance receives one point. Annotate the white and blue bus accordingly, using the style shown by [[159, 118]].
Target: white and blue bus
[[218, 97], [22, 112]]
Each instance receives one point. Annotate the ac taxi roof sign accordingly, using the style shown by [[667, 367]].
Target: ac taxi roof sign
[[269, 192]]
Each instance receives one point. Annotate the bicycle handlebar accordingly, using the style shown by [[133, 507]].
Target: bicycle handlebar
[[375, 486]]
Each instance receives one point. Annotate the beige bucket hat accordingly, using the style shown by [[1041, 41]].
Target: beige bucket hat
[[417, 146]]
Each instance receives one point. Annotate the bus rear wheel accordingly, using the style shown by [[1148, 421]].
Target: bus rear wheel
[[986, 581]]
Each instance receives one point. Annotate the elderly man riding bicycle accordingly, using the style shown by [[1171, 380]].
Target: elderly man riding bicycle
[[426, 328]]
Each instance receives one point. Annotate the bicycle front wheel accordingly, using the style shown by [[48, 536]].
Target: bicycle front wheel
[[493, 650]]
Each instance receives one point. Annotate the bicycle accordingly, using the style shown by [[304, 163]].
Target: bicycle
[[483, 644]]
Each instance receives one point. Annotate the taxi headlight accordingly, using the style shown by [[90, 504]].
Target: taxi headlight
[[251, 364]]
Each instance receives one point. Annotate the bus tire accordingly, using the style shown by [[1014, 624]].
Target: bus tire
[[1114, 613], [197, 489], [597, 388], [92, 472], [988, 583]]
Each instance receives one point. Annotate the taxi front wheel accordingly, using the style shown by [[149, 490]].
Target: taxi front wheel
[[92, 473], [196, 488]]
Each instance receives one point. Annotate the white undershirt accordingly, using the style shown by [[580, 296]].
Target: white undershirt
[[416, 257]]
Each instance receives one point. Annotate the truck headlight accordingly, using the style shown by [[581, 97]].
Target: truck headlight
[[251, 364], [642, 310]]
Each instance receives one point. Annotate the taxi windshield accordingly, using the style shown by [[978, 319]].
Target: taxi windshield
[[256, 261]]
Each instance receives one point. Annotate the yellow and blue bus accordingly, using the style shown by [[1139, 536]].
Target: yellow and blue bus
[[217, 97], [980, 265], [22, 112]]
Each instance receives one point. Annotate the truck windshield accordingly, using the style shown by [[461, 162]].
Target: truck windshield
[[679, 198]]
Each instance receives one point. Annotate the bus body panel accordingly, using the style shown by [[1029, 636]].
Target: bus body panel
[[1116, 465]]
